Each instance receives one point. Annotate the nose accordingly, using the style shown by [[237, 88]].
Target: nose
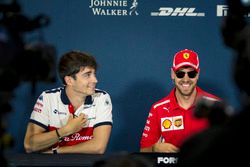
[[186, 77], [94, 79]]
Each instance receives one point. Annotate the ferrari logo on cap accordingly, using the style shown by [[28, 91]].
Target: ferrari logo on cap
[[186, 55]]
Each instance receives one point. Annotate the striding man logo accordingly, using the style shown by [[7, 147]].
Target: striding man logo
[[133, 8]]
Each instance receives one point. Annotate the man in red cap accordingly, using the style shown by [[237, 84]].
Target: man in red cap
[[171, 119]]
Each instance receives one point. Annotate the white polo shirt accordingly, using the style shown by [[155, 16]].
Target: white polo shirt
[[51, 112]]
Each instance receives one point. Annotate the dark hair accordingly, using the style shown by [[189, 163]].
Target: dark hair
[[72, 62]]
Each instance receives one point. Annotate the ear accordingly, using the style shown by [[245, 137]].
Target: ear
[[198, 74], [68, 80], [172, 74]]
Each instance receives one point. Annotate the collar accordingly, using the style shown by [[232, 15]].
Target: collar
[[175, 105], [66, 101]]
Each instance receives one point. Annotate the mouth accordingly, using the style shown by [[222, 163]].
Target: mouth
[[92, 87], [185, 86]]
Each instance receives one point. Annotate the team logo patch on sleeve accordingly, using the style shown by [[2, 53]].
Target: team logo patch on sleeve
[[172, 123], [40, 98], [107, 102]]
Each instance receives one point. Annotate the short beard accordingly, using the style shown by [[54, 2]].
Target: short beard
[[182, 93]]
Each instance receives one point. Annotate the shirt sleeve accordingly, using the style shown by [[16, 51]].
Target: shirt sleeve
[[104, 111], [152, 131], [40, 114]]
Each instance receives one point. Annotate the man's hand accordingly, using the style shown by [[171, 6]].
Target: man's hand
[[75, 124], [165, 147]]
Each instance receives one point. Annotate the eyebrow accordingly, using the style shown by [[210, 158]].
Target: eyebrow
[[89, 72]]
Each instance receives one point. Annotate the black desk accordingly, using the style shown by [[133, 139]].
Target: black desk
[[83, 160]]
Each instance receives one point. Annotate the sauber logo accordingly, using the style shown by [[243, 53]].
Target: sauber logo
[[178, 11]]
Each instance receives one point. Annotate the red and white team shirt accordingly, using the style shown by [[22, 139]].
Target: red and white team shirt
[[52, 110], [169, 122]]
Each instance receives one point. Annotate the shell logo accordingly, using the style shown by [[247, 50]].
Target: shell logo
[[186, 55], [166, 123]]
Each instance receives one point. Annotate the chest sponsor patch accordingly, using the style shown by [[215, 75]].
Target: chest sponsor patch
[[172, 123]]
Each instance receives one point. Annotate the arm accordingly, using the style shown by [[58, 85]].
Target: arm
[[151, 133], [161, 147], [37, 139], [152, 139], [97, 145], [101, 134], [146, 149], [165, 147]]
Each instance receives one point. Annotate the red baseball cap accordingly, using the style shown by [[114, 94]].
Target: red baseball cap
[[186, 58]]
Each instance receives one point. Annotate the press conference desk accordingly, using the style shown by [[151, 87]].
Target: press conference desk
[[40, 160], [77, 160]]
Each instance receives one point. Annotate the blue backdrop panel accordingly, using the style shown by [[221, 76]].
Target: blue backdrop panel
[[134, 46]]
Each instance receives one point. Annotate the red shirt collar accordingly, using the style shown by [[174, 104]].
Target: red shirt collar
[[175, 105]]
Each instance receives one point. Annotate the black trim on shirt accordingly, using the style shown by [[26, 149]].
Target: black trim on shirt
[[88, 100], [64, 97], [39, 124], [100, 91], [54, 90], [103, 123]]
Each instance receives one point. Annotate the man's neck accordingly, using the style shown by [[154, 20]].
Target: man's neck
[[186, 101], [75, 98]]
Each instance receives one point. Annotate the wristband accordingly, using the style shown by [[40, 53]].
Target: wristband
[[58, 135], [54, 150]]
